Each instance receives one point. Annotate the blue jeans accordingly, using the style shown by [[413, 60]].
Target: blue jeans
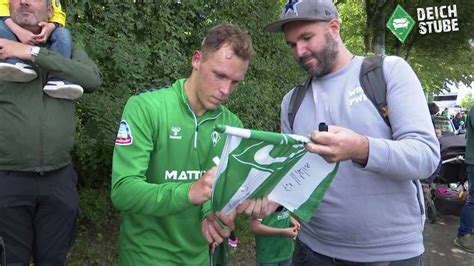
[[466, 223], [60, 40], [305, 256]]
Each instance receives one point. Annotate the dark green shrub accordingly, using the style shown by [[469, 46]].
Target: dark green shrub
[[143, 45]]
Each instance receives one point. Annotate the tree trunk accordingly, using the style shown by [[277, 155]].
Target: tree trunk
[[379, 38]]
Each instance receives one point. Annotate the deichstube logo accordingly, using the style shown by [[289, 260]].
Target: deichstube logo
[[434, 19], [400, 23], [437, 19]]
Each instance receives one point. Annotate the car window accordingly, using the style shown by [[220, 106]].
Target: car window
[[445, 125]]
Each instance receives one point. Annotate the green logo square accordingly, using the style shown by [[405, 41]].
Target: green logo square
[[400, 23]]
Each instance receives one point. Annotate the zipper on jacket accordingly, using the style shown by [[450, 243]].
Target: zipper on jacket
[[196, 126], [195, 136], [41, 152]]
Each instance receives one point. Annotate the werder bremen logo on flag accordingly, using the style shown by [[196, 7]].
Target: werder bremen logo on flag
[[259, 156], [258, 163]]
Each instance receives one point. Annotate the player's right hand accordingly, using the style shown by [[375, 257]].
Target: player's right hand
[[201, 190]]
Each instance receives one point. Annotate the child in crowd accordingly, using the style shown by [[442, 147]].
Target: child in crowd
[[274, 238], [54, 34]]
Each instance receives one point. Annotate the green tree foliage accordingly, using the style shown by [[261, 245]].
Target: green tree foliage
[[438, 58], [467, 102], [146, 44]]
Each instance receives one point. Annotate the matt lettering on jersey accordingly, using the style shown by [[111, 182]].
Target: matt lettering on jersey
[[183, 175]]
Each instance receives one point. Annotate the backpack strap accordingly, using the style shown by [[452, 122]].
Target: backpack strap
[[296, 99], [374, 85], [372, 82]]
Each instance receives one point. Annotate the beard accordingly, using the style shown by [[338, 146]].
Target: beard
[[27, 17], [325, 58]]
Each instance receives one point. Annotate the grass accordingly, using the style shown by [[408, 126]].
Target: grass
[[97, 237]]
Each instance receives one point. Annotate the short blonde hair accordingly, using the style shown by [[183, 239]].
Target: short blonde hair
[[227, 33]]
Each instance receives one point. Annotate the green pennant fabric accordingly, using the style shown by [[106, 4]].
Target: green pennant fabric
[[258, 163]]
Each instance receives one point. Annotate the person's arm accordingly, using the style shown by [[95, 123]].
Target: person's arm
[[413, 150], [57, 20], [217, 226], [24, 36], [257, 227], [80, 69], [130, 190]]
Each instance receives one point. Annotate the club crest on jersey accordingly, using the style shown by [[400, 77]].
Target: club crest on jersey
[[176, 133], [215, 138], [124, 135]]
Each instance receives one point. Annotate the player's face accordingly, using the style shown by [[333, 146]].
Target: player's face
[[217, 74]]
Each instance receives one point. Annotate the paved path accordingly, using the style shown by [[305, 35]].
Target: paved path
[[439, 247]]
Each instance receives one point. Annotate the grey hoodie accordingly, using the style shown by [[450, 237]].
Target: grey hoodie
[[373, 213]]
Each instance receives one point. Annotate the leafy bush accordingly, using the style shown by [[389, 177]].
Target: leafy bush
[[141, 45], [467, 102], [96, 207]]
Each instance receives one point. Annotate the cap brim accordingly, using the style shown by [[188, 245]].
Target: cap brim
[[278, 25]]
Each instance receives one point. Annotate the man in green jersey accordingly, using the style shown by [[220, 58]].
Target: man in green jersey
[[162, 167]]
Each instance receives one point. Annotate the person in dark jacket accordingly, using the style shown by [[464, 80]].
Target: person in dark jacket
[[465, 236], [38, 196], [434, 109]]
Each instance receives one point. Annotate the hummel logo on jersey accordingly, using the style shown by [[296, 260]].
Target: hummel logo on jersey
[[176, 133]]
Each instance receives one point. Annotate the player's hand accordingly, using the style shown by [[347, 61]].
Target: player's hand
[[46, 29], [201, 190], [213, 232], [10, 48], [339, 144], [257, 208]]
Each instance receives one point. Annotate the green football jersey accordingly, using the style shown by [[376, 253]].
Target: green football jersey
[[161, 149], [274, 249]]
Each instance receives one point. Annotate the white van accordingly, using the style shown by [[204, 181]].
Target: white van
[[448, 100]]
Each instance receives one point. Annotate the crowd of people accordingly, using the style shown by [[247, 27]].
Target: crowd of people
[[372, 213], [459, 119]]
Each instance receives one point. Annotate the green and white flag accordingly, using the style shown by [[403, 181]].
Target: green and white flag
[[255, 163]]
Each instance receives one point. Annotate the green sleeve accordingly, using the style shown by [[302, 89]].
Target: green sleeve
[[130, 190], [205, 209], [80, 69]]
